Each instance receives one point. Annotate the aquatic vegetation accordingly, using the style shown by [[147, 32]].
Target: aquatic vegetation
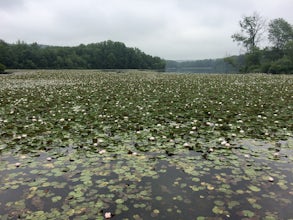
[[79, 144]]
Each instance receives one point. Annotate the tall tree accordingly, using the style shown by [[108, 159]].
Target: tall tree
[[280, 33], [252, 29]]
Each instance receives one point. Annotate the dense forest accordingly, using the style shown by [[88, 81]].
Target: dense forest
[[103, 55]]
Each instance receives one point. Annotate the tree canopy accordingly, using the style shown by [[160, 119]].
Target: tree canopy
[[2, 68], [280, 33], [277, 58], [252, 28], [103, 55]]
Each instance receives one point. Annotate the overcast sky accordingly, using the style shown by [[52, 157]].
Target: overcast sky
[[171, 29]]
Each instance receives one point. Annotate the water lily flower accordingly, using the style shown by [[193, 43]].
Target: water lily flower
[[108, 215], [223, 142], [276, 155], [210, 150], [49, 158], [152, 138], [209, 124], [102, 151], [186, 145], [271, 179]]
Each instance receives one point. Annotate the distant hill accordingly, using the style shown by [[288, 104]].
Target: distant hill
[[103, 55]]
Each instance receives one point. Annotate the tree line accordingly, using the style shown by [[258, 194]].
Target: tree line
[[103, 55], [277, 58]]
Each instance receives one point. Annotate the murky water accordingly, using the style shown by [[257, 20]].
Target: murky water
[[250, 180]]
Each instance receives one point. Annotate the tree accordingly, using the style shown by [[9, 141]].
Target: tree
[[280, 33], [288, 49], [252, 28], [2, 68], [252, 61], [282, 66]]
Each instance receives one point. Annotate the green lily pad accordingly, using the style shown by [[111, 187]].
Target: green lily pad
[[253, 188]]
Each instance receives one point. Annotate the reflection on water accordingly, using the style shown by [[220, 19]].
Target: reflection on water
[[248, 180]]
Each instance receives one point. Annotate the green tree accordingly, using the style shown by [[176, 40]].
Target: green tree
[[253, 61], [280, 33], [282, 66], [2, 68], [288, 49], [252, 29]]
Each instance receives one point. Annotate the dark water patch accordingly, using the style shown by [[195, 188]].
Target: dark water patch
[[245, 180]]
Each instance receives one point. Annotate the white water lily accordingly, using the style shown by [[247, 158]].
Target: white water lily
[[49, 158], [152, 138], [223, 142], [276, 155], [108, 215], [102, 151], [211, 150], [186, 145]]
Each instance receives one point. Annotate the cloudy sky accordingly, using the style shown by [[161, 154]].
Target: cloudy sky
[[171, 29]]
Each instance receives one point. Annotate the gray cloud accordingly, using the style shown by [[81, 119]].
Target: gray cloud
[[172, 29], [11, 4]]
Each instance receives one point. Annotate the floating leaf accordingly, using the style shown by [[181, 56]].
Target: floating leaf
[[119, 201], [56, 198], [254, 188], [248, 213], [217, 210]]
